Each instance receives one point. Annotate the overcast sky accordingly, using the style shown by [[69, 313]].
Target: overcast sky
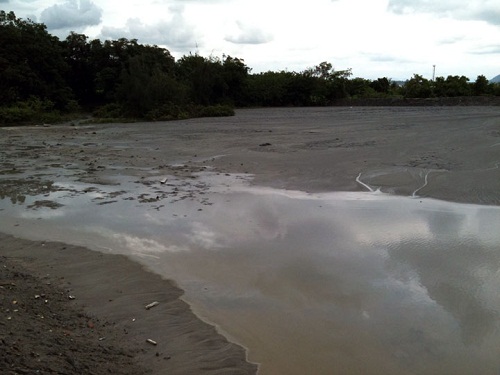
[[376, 38]]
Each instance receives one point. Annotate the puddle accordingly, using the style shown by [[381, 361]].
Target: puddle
[[309, 283]]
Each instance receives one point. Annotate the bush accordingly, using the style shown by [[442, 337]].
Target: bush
[[218, 110], [172, 111], [111, 110], [32, 110], [167, 112]]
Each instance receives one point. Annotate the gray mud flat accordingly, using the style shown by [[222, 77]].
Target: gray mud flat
[[311, 237], [308, 149]]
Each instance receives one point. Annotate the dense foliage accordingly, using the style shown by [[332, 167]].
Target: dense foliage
[[42, 78]]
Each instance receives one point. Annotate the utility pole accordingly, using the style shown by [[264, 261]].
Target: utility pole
[[433, 72]]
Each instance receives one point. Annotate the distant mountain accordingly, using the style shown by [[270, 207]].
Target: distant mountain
[[495, 79]]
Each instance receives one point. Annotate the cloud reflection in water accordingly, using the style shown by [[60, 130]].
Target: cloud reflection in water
[[340, 281]]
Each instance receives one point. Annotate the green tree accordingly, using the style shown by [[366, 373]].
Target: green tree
[[111, 58], [235, 77], [267, 89], [323, 70], [31, 63], [417, 87], [381, 85], [337, 84], [452, 86], [330, 84], [495, 89], [147, 83], [481, 86], [81, 77], [204, 77], [360, 88]]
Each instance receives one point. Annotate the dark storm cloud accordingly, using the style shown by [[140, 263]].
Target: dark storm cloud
[[249, 35], [480, 10], [72, 14]]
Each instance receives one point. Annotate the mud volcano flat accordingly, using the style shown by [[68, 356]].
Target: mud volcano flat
[[242, 213]]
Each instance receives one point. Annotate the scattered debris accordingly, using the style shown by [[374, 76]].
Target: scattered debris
[[151, 305], [71, 297], [164, 181], [265, 144], [152, 342]]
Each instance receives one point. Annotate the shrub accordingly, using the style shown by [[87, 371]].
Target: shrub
[[32, 110], [111, 110], [170, 111], [219, 110]]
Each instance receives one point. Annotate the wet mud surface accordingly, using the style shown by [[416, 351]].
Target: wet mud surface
[[450, 153], [322, 149]]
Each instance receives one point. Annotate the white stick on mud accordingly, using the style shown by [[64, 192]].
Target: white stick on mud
[[358, 180], [426, 181]]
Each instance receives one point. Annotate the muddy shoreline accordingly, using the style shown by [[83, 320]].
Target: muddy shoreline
[[67, 309], [450, 153]]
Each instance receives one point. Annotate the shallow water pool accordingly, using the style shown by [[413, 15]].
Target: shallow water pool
[[342, 283]]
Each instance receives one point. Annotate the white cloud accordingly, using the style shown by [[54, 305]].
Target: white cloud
[[247, 34], [175, 33], [386, 58], [482, 10], [487, 50], [71, 14], [376, 38], [171, 34]]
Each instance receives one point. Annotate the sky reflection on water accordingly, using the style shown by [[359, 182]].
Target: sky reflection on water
[[323, 283]]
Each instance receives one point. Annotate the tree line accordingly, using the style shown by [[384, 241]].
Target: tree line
[[44, 78]]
